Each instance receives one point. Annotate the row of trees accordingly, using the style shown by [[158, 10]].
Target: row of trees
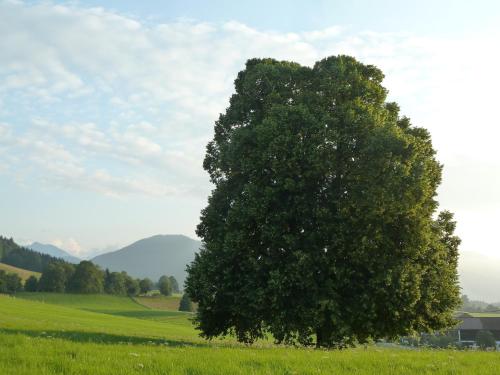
[[10, 282], [17, 256], [168, 285], [60, 278], [88, 278], [477, 306]]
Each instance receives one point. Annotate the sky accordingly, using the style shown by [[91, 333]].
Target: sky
[[106, 107]]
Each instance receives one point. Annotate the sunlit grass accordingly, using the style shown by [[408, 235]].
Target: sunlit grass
[[160, 302], [23, 274], [47, 338], [107, 304]]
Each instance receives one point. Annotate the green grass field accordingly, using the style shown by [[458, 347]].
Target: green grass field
[[108, 304], [160, 302], [23, 274], [70, 334]]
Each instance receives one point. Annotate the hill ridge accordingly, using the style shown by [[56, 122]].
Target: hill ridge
[[154, 256], [54, 251]]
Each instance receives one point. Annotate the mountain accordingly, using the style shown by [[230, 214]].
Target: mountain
[[153, 257], [21, 257], [54, 251]]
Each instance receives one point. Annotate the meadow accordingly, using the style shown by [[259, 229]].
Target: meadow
[[43, 333], [23, 274]]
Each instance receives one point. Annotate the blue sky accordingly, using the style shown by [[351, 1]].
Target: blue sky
[[106, 107], [444, 17]]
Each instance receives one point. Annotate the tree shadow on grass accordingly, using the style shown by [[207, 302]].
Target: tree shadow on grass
[[102, 338], [144, 314]]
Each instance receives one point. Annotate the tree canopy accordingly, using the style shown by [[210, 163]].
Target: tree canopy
[[145, 285], [10, 282], [185, 303], [17, 256], [56, 277], [31, 284], [165, 285], [321, 227], [174, 284], [87, 279]]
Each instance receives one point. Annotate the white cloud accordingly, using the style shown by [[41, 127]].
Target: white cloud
[[123, 107], [325, 34], [71, 245]]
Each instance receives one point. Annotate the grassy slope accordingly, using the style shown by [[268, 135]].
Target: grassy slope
[[484, 315], [106, 304], [160, 302], [23, 274], [47, 339]]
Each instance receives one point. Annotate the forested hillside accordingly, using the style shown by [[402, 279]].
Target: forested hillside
[[53, 251], [153, 257], [17, 256]]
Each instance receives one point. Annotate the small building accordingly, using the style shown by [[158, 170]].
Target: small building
[[472, 323]]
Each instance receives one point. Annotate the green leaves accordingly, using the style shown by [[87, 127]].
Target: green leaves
[[320, 227]]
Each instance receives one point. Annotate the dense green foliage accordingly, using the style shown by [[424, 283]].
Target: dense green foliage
[[165, 286], [87, 278], [321, 225], [186, 304], [17, 256], [145, 285], [121, 283], [485, 339], [174, 284], [43, 338], [10, 282], [114, 283], [56, 277], [31, 284]]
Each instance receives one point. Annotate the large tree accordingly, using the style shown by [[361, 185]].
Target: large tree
[[55, 277], [115, 282], [145, 285], [185, 304], [88, 278], [165, 286], [175, 284], [10, 282], [321, 227], [31, 284]]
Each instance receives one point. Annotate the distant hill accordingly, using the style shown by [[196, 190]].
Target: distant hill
[[153, 257], [13, 254], [54, 251], [23, 274]]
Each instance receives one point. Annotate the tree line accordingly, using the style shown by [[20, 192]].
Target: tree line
[[10, 283], [87, 278], [18, 256]]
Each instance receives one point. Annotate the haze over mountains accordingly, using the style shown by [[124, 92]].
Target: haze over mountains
[[53, 251], [153, 257], [479, 276], [169, 254]]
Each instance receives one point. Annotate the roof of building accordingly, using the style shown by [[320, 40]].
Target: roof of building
[[479, 321]]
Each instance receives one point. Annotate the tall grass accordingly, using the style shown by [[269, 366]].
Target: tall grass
[[47, 339]]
